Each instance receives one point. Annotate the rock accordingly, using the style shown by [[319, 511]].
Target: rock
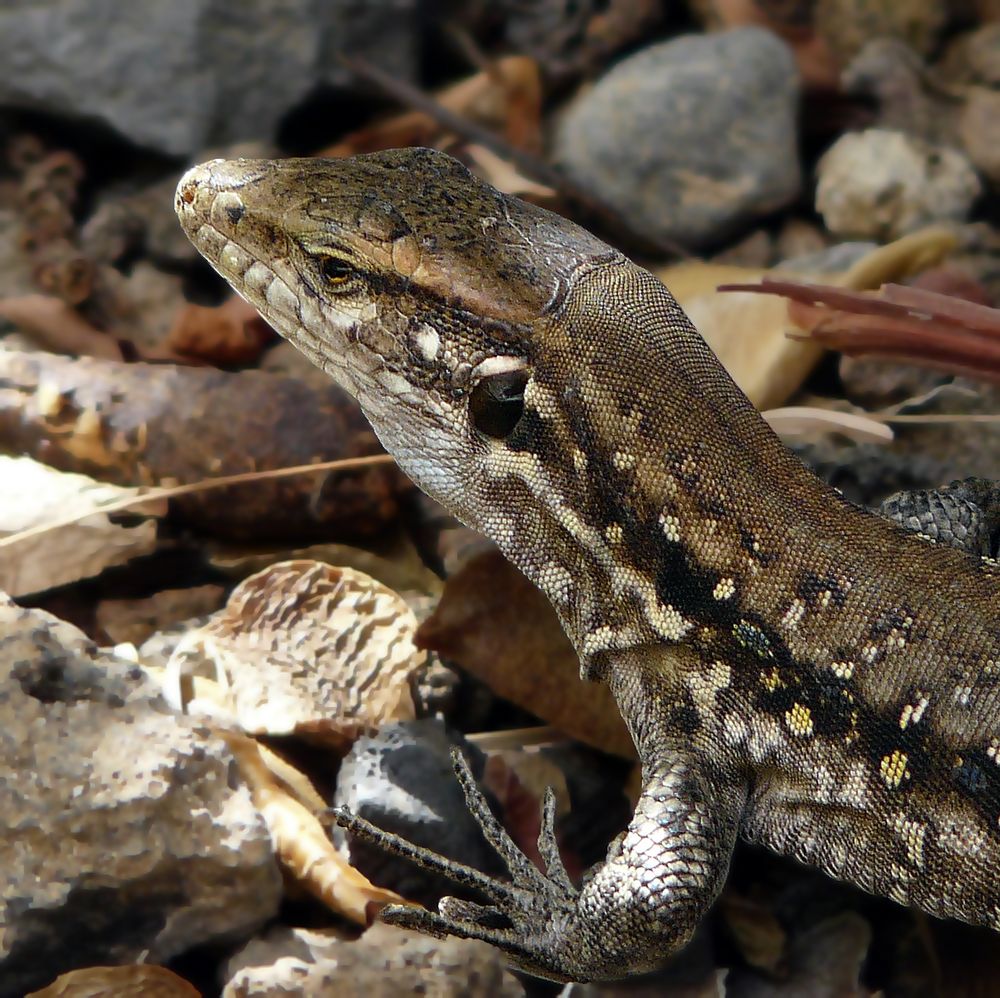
[[799, 238], [832, 259], [689, 139], [129, 835], [972, 58], [921, 455], [893, 75], [569, 38], [139, 307], [979, 127], [402, 780], [881, 184], [755, 249], [219, 73], [958, 105], [138, 218], [384, 962]]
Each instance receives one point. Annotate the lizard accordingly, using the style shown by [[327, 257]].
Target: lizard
[[793, 669]]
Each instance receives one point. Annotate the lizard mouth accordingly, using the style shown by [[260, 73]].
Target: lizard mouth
[[211, 209], [213, 212]]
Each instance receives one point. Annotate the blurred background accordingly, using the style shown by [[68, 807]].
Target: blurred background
[[180, 656]]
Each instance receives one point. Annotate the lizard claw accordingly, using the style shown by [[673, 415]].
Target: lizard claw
[[524, 911]]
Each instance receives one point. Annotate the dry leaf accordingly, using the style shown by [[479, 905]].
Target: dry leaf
[[756, 931], [817, 66], [33, 560], [304, 648], [519, 780], [504, 176], [493, 622], [133, 621], [134, 981], [506, 97], [398, 564], [301, 844], [749, 338]]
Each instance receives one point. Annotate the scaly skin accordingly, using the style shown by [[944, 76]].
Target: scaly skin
[[792, 668]]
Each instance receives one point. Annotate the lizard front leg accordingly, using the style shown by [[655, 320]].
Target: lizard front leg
[[641, 905]]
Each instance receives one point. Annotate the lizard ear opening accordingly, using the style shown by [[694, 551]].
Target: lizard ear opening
[[496, 403]]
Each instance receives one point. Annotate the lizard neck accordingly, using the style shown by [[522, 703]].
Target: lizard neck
[[655, 492]]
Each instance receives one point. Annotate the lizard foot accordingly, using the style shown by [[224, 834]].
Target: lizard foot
[[528, 915]]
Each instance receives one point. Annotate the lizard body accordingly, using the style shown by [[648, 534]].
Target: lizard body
[[793, 669]]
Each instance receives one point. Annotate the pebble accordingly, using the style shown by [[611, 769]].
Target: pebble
[[691, 139], [881, 184], [979, 129], [401, 779]]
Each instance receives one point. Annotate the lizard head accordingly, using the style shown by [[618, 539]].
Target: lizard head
[[522, 372], [415, 285]]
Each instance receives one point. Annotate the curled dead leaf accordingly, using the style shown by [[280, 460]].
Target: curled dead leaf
[[58, 327], [33, 559], [301, 844], [804, 422], [913, 324], [308, 649], [507, 97], [131, 981], [504, 176]]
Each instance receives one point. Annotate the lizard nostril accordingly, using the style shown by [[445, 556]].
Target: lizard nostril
[[235, 212]]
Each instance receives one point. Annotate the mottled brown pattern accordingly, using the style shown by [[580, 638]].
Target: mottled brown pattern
[[792, 668]]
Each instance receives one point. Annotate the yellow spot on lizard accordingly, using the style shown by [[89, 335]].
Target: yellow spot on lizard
[[893, 768], [799, 720], [772, 680]]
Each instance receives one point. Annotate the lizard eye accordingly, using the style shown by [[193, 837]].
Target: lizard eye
[[336, 271], [496, 403]]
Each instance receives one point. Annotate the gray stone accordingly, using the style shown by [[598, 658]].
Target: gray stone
[[689, 139], [126, 829], [881, 184], [176, 76], [401, 779]]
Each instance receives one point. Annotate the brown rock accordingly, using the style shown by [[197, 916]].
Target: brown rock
[[128, 833]]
